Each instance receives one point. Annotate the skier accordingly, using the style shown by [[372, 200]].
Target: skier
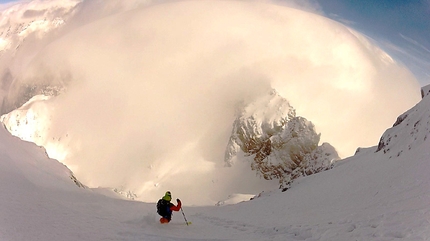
[[165, 207]]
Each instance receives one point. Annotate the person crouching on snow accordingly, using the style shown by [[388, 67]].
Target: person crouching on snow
[[165, 207]]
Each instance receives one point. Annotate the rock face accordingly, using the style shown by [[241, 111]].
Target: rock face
[[281, 145], [410, 130]]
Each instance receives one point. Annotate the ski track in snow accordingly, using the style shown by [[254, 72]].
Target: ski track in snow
[[99, 218], [85, 216], [382, 227]]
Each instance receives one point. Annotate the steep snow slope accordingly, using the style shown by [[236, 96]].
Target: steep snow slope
[[411, 129], [41, 201], [370, 196]]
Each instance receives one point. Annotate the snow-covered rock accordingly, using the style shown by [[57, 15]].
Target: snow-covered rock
[[256, 123], [32, 19], [410, 130], [425, 91], [282, 145]]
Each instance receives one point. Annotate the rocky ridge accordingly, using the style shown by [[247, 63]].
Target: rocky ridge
[[279, 144]]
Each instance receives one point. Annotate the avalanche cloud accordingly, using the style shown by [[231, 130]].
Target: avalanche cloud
[[150, 91]]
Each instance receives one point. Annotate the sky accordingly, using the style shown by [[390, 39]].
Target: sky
[[401, 27]]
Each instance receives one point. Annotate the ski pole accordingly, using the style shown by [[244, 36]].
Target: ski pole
[[184, 216]]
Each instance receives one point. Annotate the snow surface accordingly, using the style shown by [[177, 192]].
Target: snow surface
[[370, 196]]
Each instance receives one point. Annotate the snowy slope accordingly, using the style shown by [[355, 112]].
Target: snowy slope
[[370, 196]]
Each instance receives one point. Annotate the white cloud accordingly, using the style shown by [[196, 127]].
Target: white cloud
[[311, 6], [151, 91], [412, 54], [415, 43]]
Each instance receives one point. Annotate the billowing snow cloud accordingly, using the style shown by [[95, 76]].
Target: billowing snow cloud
[[150, 92]]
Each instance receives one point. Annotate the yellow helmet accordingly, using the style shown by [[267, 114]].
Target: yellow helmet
[[167, 196]]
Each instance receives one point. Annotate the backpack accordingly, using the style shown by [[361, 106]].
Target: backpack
[[162, 207]]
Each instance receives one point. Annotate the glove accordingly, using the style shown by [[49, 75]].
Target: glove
[[177, 200]]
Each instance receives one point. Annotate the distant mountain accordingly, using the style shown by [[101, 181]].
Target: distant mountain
[[410, 130], [25, 29], [34, 21], [282, 145]]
